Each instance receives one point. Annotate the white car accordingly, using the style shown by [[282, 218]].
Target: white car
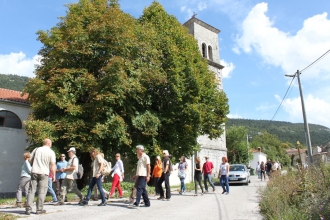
[[239, 173]]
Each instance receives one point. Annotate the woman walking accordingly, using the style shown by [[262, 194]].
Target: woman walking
[[97, 177], [25, 180], [224, 171], [183, 165], [157, 173], [262, 170], [118, 176], [198, 175]]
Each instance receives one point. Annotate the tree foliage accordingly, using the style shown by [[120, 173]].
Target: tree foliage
[[13, 82], [111, 81], [285, 131], [237, 145]]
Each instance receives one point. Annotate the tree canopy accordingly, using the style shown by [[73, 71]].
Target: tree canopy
[[111, 81], [237, 145]]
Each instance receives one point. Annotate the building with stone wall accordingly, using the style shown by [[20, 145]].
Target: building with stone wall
[[208, 44]]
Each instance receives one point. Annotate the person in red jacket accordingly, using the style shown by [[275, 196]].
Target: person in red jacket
[[207, 172]]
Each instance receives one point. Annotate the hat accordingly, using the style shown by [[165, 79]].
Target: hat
[[165, 152], [140, 147], [72, 149], [207, 157]]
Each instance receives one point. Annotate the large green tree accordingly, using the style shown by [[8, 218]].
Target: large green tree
[[111, 81], [237, 145]]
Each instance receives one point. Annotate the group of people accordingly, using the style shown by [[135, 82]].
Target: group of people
[[269, 168], [39, 171]]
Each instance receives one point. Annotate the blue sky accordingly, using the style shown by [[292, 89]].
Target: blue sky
[[260, 42]]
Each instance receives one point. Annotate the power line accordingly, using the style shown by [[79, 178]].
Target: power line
[[283, 99], [318, 59]]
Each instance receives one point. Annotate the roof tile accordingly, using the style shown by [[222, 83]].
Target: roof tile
[[11, 95]]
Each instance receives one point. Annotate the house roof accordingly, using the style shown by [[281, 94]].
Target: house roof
[[14, 96]]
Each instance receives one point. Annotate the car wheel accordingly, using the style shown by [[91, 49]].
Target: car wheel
[[247, 183]]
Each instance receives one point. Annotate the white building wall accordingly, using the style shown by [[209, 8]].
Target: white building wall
[[258, 156], [12, 146]]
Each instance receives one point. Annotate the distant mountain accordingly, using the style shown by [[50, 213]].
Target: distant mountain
[[13, 82], [285, 131]]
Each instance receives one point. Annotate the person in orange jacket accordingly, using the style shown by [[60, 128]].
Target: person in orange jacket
[[157, 173]]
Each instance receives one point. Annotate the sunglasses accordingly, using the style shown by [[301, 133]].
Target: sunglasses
[[117, 156], [62, 156]]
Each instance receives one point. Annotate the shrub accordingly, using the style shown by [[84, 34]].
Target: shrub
[[302, 194]]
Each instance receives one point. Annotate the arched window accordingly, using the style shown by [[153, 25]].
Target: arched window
[[9, 120], [204, 53], [210, 53]]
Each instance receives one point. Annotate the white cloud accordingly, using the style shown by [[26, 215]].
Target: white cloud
[[317, 110], [18, 64], [229, 67], [201, 6], [290, 52]]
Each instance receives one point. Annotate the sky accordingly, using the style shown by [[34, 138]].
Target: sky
[[260, 42]]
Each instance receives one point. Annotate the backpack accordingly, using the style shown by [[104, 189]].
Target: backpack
[[80, 171], [106, 170]]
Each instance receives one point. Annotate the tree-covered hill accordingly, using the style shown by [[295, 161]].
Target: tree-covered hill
[[13, 82], [285, 131]]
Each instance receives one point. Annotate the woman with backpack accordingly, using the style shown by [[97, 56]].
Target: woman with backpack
[[183, 165], [262, 170]]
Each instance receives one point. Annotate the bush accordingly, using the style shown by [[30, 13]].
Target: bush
[[302, 194]]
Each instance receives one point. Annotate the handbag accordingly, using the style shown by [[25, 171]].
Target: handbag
[[181, 174]]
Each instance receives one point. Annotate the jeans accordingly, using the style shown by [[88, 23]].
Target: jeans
[[224, 183], [141, 191], [165, 177], [183, 187], [23, 183], [98, 182], [40, 181], [259, 174], [263, 174], [50, 189], [116, 184], [207, 177], [69, 185], [198, 180]]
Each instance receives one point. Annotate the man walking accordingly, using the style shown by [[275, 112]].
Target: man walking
[[142, 176], [69, 183], [42, 160], [60, 176], [207, 171], [165, 177]]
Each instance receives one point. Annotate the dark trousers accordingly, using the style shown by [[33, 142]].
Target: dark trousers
[[198, 180], [141, 191], [59, 183], [156, 179], [98, 182], [165, 177]]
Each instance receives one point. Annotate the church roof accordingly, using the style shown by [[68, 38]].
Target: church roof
[[14, 96], [193, 19]]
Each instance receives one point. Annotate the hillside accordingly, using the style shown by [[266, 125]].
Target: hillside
[[285, 131], [13, 82]]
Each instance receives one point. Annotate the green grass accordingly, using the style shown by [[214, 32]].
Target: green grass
[[5, 216]]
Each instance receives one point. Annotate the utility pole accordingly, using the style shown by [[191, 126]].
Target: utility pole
[[307, 136]]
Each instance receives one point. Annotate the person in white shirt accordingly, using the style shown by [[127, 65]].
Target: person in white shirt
[[258, 170], [42, 159], [118, 176], [224, 172], [97, 177]]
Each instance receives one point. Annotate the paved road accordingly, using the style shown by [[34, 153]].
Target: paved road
[[241, 203]]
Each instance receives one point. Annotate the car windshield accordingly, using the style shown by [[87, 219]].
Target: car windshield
[[236, 168]]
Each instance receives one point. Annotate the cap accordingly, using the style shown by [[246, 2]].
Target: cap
[[72, 149], [140, 147], [165, 152]]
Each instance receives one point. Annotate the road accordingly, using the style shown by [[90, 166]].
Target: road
[[240, 204]]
